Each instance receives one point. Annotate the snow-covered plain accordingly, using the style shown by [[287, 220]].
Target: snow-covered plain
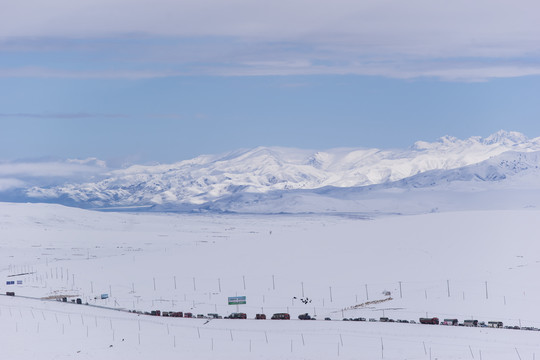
[[468, 264]]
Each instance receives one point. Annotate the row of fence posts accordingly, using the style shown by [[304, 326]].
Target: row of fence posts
[[55, 274]]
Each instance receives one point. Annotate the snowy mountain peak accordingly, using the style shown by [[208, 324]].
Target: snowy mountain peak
[[506, 137], [500, 139], [447, 139]]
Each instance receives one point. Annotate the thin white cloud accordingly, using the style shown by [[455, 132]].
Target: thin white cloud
[[452, 40], [10, 183], [24, 174], [467, 71], [52, 169], [60, 115], [447, 71], [43, 72], [378, 21]]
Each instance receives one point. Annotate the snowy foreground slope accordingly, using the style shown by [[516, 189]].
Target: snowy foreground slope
[[475, 264]]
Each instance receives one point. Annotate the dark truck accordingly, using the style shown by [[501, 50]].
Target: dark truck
[[172, 314], [451, 322], [237, 316], [471, 323], [430, 321], [281, 316]]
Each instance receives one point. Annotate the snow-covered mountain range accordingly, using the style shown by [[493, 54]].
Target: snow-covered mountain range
[[294, 180]]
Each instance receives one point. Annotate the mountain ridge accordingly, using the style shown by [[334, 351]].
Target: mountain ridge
[[509, 180], [201, 181]]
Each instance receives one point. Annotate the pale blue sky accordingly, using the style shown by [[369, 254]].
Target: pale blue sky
[[141, 82]]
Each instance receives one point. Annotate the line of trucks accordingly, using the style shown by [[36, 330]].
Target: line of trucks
[[277, 316], [306, 316], [455, 322]]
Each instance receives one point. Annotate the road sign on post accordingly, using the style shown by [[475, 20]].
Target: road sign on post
[[237, 300]]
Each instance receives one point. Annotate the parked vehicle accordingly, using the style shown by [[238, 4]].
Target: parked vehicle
[[304, 316], [214, 316], [79, 301], [327, 318], [495, 324], [10, 293], [176, 314], [155, 312], [237, 316], [383, 319], [260, 316], [451, 322], [431, 321], [470, 323], [188, 315], [281, 316]]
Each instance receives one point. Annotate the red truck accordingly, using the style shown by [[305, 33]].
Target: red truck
[[281, 316], [431, 321], [237, 316]]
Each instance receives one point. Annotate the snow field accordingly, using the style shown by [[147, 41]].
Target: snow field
[[193, 263]]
